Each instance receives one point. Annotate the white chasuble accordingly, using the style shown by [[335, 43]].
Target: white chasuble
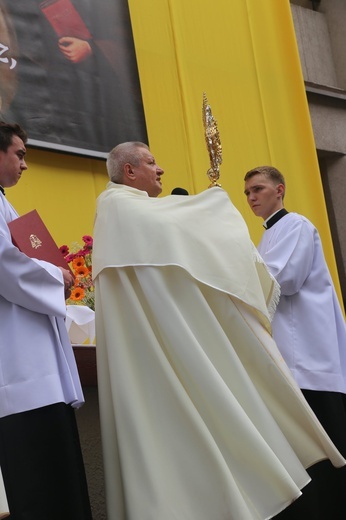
[[200, 416]]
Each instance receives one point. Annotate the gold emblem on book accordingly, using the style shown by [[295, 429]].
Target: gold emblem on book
[[212, 139], [35, 241]]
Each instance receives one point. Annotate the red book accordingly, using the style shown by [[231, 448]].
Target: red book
[[65, 19], [31, 236]]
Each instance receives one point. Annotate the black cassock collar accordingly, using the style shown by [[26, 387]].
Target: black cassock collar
[[275, 218]]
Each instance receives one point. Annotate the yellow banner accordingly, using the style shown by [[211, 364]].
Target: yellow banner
[[244, 55]]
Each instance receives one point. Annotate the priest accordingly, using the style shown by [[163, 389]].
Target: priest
[[200, 416]]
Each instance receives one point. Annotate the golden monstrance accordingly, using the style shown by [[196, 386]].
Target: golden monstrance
[[212, 139]]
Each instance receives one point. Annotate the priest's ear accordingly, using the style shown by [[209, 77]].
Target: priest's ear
[[128, 172]]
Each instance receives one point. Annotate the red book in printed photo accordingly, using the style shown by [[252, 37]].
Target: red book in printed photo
[[31, 236], [65, 19]]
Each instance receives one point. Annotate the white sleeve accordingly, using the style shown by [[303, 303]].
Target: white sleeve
[[289, 257]]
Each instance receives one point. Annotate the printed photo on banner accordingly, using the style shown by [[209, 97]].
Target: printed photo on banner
[[68, 74]]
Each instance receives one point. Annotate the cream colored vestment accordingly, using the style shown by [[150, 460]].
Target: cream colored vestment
[[200, 416]]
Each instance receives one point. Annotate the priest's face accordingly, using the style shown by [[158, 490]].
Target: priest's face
[[147, 174], [12, 163], [263, 195]]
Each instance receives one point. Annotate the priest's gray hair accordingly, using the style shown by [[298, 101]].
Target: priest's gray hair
[[120, 155]]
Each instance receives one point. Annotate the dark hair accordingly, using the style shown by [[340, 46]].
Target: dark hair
[[7, 131]]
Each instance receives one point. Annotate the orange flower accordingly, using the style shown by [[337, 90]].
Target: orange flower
[[82, 271], [77, 294], [78, 262]]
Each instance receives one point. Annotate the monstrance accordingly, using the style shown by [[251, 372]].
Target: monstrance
[[212, 139]]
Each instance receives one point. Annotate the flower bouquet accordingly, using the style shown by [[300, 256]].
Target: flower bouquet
[[79, 259]]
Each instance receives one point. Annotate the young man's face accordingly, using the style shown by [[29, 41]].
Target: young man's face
[[12, 163], [263, 196], [148, 174]]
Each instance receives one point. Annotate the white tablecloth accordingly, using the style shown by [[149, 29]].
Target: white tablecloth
[[80, 324]]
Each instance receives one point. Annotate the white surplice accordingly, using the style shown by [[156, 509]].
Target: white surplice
[[38, 367], [200, 415], [308, 325], [3, 499]]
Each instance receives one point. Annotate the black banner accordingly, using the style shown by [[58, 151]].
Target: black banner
[[68, 74]]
